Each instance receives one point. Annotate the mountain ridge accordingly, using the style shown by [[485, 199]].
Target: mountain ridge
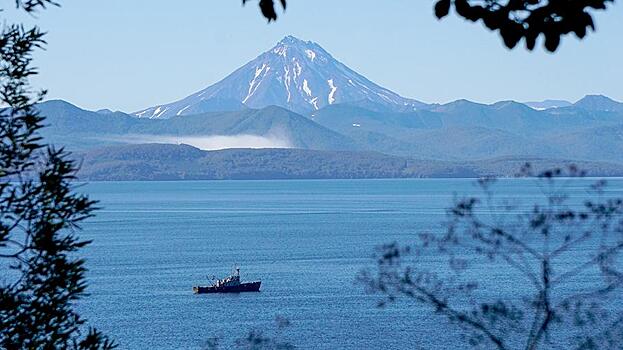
[[183, 162], [476, 131]]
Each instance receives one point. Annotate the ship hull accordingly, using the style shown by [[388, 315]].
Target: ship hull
[[242, 288]]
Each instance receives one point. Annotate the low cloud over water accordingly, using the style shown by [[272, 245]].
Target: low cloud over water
[[209, 142]]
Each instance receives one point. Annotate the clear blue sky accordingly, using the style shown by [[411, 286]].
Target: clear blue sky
[[127, 55]]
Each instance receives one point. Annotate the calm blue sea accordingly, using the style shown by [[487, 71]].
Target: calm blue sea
[[306, 241]]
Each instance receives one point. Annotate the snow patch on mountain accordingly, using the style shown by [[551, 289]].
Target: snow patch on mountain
[[281, 51], [306, 88], [298, 70], [159, 111], [286, 82], [314, 102], [182, 110], [254, 84], [332, 92]]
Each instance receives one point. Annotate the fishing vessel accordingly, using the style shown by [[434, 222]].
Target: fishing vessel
[[229, 284]]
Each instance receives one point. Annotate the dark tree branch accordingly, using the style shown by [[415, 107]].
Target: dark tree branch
[[555, 228], [514, 20]]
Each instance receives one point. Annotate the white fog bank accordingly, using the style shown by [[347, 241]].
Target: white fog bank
[[209, 142]]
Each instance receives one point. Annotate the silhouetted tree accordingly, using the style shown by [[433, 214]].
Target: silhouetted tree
[[39, 213], [560, 260], [513, 19], [268, 8], [258, 339]]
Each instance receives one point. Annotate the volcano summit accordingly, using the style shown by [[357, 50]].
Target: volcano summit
[[295, 74]]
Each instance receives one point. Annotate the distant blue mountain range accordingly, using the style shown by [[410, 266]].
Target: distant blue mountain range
[[460, 130], [296, 95]]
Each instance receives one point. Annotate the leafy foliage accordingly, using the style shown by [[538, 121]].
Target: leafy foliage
[[565, 255], [516, 20], [34, 5], [513, 19], [39, 214], [268, 8]]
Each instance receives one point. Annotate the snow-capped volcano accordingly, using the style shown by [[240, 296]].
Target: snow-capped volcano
[[295, 74]]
